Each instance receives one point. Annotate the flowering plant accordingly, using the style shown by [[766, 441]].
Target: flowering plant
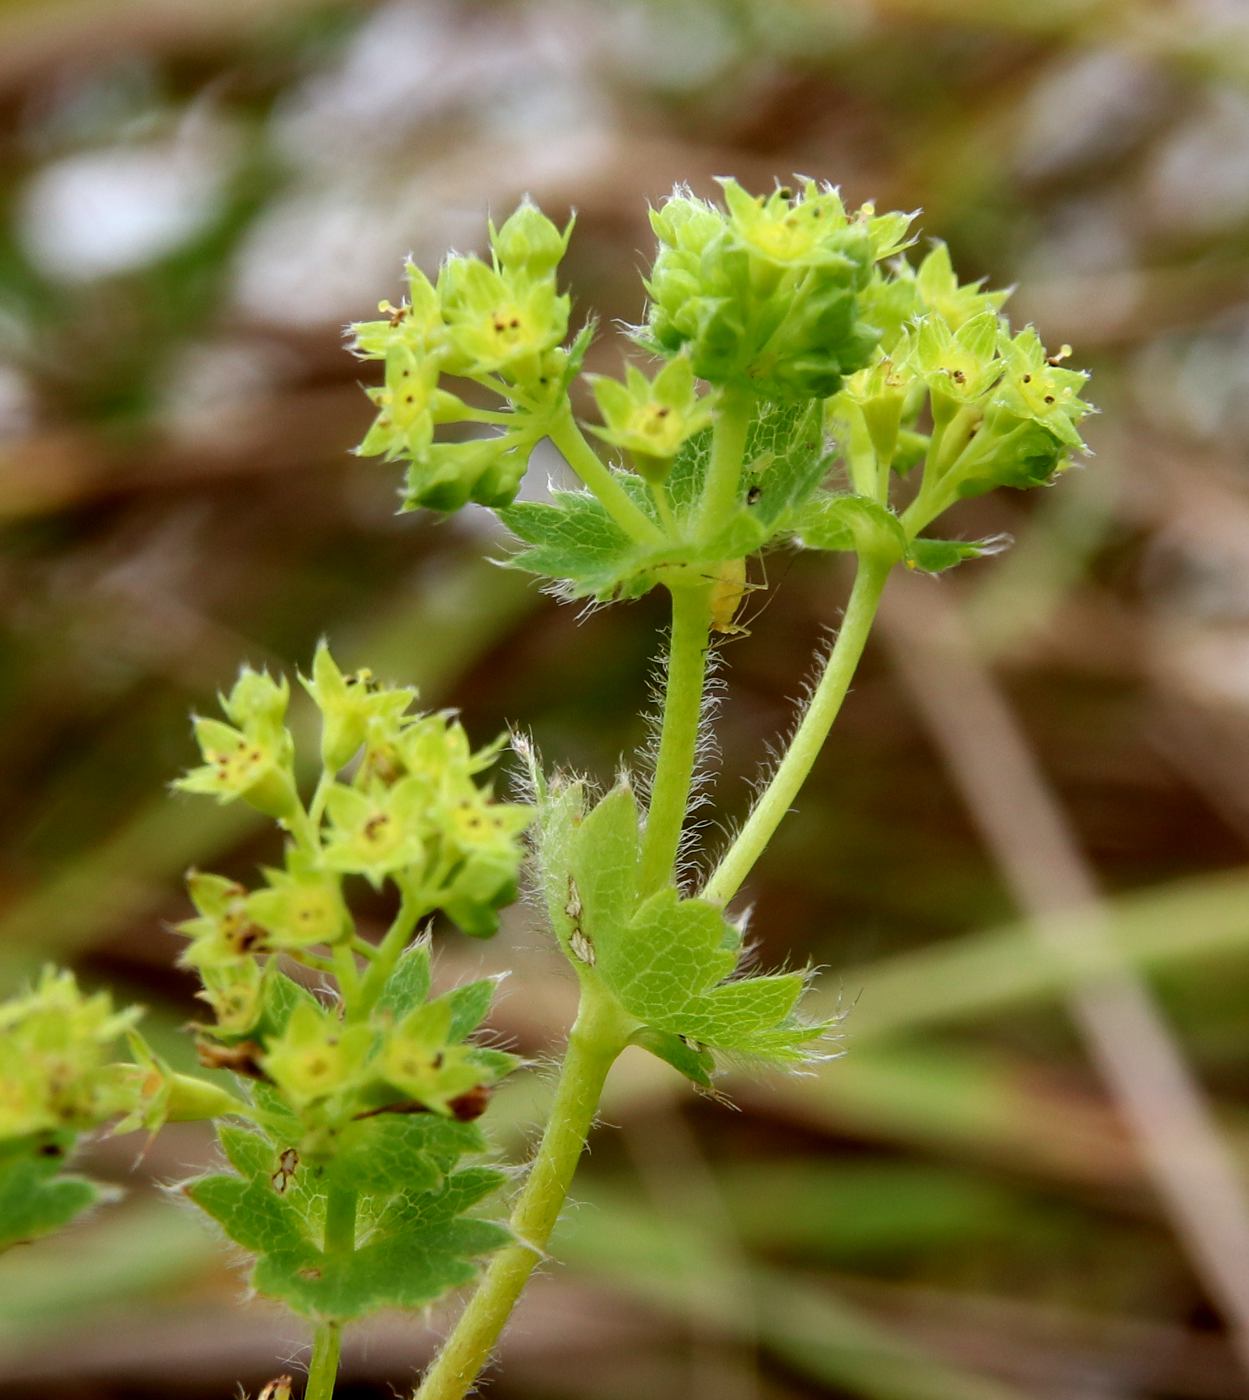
[[814, 389]]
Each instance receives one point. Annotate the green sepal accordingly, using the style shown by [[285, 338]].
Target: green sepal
[[282, 997], [36, 1198], [408, 984], [936, 556]]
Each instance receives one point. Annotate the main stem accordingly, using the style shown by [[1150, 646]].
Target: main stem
[[778, 796], [340, 1238], [596, 1039], [678, 740]]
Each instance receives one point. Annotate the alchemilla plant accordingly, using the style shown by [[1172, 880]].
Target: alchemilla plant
[[801, 383]]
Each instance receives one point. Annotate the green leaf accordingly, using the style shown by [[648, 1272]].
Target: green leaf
[[408, 985], [666, 959], [413, 1242], [35, 1198], [573, 540], [695, 1063], [390, 1152], [851, 523], [420, 1247], [256, 1216], [935, 556]]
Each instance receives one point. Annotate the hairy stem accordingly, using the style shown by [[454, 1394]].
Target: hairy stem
[[728, 455], [583, 459], [776, 799], [596, 1039], [340, 1238], [678, 741]]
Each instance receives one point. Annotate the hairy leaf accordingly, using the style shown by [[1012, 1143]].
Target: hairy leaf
[[413, 1239], [666, 959], [851, 523]]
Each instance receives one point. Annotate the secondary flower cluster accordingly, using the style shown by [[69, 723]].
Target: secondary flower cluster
[[1002, 410], [56, 1047], [408, 811], [501, 326], [397, 801]]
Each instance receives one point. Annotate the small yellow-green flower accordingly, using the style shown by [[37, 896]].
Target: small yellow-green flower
[[316, 1056], [223, 931], [651, 418], [249, 758], [301, 907], [499, 323], [55, 1042], [353, 707], [380, 831]]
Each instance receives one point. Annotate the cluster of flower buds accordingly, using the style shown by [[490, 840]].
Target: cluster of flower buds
[[501, 326], [56, 1070], [765, 292], [1001, 410]]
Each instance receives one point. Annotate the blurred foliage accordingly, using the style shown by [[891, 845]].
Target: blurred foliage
[[196, 198]]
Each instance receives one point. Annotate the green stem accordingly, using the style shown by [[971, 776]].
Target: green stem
[[583, 459], [323, 1368], [678, 741], [386, 955], [728, 455], [340, 1238], [596, 1039], [777, 798]]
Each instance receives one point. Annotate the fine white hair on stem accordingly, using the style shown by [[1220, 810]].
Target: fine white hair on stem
[[706, 755], [775, 749]]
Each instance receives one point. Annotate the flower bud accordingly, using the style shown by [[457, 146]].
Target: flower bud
[[529, 243]]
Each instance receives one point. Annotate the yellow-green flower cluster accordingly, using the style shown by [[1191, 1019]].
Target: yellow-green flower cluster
[[764, 292], [56, 1046], [500, 325], [398, 800], [1000, 410], [328, 1069]]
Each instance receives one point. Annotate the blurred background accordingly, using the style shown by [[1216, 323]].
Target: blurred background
[[1023, 862]]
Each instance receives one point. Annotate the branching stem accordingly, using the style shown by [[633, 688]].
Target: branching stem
[[728, 458], [583, 459], [776, 799], [678, 741]]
